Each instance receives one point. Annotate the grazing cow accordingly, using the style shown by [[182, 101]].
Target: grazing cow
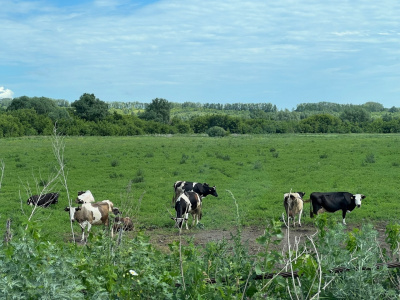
[[43, 200], [84, 197], [187, 203], [89, 214], [202, 189], [293, 203], [334, 201], [124, 224]]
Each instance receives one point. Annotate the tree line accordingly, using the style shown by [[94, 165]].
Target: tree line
[[27, 116]]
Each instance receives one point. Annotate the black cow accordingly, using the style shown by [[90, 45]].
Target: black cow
[[203, 189], [43, 200], [334, 201], [187, 203]]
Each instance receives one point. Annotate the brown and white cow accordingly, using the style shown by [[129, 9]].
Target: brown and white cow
[[187, 203], [293, 203], [90, 214]]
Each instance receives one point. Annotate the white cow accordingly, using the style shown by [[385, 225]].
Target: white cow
[[293, 203]]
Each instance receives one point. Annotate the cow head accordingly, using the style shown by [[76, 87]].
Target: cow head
[[30, 201], [72, 211], [357, 199], [178, 222], [213, 191], [301, 194]]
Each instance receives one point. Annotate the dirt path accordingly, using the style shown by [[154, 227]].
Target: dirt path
[[160, 239]]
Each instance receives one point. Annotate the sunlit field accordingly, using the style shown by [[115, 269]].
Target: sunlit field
[[137, 174]]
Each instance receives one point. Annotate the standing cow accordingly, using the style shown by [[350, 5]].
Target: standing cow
[[89, 214], [293, 203], [43, 200], [203, 189], [187, 203], [334, 201]]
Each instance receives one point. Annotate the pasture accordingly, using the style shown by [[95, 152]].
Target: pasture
[[137, 174]]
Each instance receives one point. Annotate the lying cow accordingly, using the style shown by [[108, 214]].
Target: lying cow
[[43, 200], [334, 201], [89, 214], [187, 203], [203, 189], [293, 203], [124, 224], [84, 197]]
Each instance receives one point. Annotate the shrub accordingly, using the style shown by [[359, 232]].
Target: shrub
[[216, 131]]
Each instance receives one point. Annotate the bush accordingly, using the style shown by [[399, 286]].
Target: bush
[[216, 131]]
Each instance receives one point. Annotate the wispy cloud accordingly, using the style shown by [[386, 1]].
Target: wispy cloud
[[123, 49]]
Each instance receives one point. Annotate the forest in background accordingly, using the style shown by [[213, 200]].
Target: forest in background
[[89, 116]]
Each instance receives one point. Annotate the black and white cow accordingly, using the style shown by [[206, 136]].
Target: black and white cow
[[293, 203], [203, 189], [43, 200], [187, 203], [334, 201]]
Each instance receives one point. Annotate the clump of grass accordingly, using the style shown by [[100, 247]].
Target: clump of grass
[[275, 154], [370, 158], [322, 156], [115, 175], [149, 154], [139, 176], [223, 157], [257, 165], [184, 158], [114, 163]]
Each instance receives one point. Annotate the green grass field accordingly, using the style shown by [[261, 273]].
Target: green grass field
[[137, 174]]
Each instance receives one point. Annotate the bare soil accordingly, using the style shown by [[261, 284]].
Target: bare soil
[[161, 238]]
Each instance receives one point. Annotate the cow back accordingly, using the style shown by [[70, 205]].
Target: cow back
[[98, 211]]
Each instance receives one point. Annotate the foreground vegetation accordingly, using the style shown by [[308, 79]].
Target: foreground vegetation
[[251, 174]]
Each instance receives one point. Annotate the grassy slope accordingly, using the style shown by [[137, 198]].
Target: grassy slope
[[256, 169]]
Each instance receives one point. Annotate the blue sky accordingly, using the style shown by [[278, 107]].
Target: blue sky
[[282, 52]]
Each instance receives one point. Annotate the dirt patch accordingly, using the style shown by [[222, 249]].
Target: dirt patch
[[161, 238]]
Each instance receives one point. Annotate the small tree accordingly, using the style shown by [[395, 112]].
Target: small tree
[[90, 108], [158, 110]]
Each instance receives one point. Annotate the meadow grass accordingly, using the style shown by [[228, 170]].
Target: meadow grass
[[257, 170]]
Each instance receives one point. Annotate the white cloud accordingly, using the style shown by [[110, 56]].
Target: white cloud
[[5, 93]]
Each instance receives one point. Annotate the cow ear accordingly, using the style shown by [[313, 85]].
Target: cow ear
[[362, 196], [67, 208]]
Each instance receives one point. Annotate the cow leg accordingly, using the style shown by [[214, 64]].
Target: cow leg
[[301, 211], [344, 216], [83, 226], [186, 219]]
